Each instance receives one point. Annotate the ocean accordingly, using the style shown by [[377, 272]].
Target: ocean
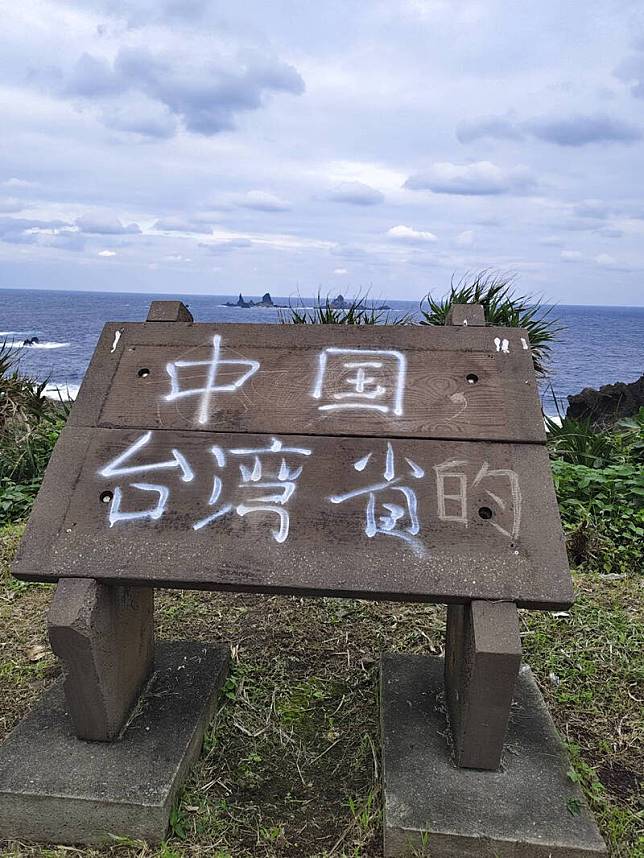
[[598, 345]]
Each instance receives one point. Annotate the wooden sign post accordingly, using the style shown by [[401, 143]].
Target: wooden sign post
[[391, 462]]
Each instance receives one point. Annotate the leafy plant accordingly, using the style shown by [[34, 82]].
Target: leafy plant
[[577, 442], [502, 307], [30, 424], [359, 312], [599, 481]]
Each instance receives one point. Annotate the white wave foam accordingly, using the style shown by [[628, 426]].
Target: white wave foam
[[61, 391], [555, 419], [16, 339]]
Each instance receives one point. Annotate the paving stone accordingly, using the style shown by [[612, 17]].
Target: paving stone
[[57, 788], [527, 809]]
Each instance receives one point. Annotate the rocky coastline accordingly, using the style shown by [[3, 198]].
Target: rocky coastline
[[604, 407]]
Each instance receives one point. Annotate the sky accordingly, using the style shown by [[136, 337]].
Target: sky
[[292, 146]]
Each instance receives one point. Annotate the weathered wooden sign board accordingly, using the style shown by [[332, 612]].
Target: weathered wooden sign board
[[375, 462]]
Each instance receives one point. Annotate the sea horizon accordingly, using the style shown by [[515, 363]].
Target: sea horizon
[[346, 293], [598, 344]]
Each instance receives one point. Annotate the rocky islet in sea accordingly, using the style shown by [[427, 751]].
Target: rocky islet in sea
[[337, 303], [266, 301]]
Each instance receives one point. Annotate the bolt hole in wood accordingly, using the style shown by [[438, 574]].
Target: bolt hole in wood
[[106, 497], [471, 378], [144, 372], [485, 512]]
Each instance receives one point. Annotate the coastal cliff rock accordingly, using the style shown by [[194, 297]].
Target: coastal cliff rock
[[607, 405]]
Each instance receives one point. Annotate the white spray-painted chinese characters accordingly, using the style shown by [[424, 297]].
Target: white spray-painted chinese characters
[[364, 386], [280, 482], [117, 468], [211, 368], [263, 481], [397, 519], [350, 380]]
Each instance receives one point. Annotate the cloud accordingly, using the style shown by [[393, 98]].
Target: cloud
[[206, 96], [101, 117], [481, 178], [356, 193], [263, 202], [138, 114], [53, 233], [582, 130], [19, 236], [10, 205], [465, 239], [577, 130], [15, 230], [138, 13], [604, 260], [340, 271], [93, 77], [410, 236], [177, 224], [106, 253], [571, 256], [66, 239], [349, 251], [495, 127], [595, 209], [228, 245], [631, 71], [610, 232], [18, 184], [105, 224]]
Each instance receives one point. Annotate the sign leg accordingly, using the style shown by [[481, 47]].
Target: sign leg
[[104, 636], [482, 660]]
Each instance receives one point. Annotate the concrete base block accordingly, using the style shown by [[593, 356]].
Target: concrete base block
[[527, 809], [55, 788]]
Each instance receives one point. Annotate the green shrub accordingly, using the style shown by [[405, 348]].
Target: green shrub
[[30, 424], [599, 480], [578, 443]]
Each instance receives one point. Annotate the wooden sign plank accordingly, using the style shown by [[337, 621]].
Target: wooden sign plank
[[389, 381], [368, 517]]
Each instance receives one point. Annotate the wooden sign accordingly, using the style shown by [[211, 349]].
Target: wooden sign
[[375, 462]]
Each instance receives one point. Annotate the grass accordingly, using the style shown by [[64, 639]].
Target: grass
[[292, 765]]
